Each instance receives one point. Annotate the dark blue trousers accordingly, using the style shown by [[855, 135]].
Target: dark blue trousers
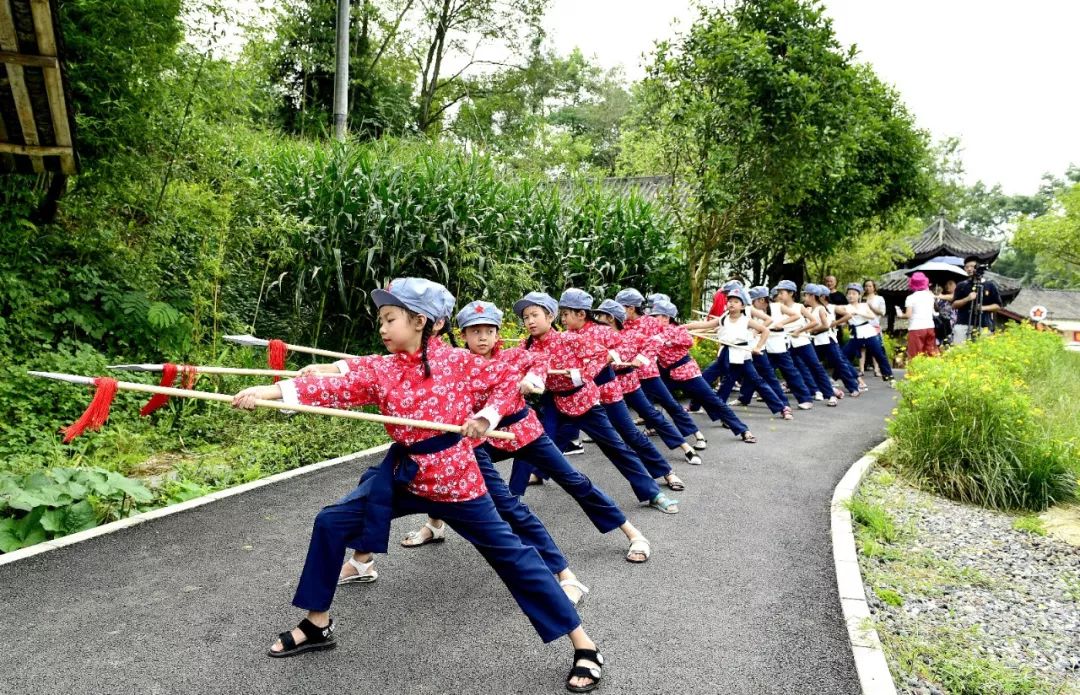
[[543, 455], [515, 512], [653, 418], [620, 418], [792, 375], [696, 389], [748, 375], [874, 347], [806, 357], [831, 354], [519, 566], [595, 422], [657, 391], [716, 371], [765, 369]]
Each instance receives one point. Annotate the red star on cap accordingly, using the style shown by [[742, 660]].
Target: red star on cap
[[479, 309]]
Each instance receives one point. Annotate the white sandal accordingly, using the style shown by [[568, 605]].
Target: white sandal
[[577, 585], [365, 573], [639, 545], [415, 539]]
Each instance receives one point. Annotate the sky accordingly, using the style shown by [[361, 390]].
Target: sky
[[999, 74]]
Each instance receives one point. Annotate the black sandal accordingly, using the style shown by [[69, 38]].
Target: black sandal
[[595, 673], [748, 438], [315, 638]]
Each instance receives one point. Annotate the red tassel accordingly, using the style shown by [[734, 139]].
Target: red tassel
[[191, 375], [168, 378], [97, 412], [275, 356]]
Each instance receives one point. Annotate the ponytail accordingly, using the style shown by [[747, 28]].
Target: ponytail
[[425, 338]]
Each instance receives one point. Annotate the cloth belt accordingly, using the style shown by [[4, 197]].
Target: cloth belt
[[606, 376], [674, 365], [623, 370], [397, 468], [514, 418]]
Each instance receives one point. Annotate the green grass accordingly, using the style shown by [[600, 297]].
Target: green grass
[[954, 660], [874, 519], [1030, 524], [1058, 398]]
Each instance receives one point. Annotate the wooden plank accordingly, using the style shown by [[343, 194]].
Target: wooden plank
[[36, 151], [25, 109], [8, 41], [32, 61], [54, 86], [43, 27]]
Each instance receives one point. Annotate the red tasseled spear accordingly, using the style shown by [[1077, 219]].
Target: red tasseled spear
[[168, 378], [97, 412], [275, 355]]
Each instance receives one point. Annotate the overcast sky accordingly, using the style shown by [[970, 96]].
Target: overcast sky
[[1001, 75]]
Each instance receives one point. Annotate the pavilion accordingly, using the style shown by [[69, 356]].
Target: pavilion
[[942, 238]]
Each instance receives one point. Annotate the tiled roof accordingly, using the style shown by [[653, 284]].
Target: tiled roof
[[942, 238], [1063, 305]]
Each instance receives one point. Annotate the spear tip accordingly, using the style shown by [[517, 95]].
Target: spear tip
[[246, 339], [136, 367], [70, 378]]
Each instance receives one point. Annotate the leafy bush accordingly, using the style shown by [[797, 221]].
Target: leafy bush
[[59, 501], [969, 429]]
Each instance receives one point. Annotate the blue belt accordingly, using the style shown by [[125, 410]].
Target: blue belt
[[674, 365], [514, 418], [606, 376], [396, 468]]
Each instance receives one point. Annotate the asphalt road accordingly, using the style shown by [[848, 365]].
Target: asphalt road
[[739, 596]]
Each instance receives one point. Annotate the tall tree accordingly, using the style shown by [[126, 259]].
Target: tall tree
[[458, 32], [1054, 239], [555, 115], [761, 119], [298, 58]]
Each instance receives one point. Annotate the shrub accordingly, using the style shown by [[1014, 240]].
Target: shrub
[[59, 501], [968, 428]]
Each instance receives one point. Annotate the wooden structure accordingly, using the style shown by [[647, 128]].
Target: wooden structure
[[37, 125]]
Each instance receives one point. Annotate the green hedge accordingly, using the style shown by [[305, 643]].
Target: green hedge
[[969, 428]]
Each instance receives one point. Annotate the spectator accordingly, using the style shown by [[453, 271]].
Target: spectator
[[919, 312], [962, 299], [836, 298]]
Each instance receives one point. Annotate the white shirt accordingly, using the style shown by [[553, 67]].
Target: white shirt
[[922, 310], [877, 303]]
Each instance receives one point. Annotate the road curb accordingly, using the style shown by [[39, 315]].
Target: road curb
[[873, 670], [115, 526]]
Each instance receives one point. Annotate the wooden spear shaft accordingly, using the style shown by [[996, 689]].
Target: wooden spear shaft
[[275, 405], [237, 371]]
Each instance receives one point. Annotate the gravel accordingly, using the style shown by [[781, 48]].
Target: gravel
[[964, 569]]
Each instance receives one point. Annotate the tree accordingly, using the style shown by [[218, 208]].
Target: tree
[[449, 30], [555, 116], [1054, 239], [297, 57], [763, 122]]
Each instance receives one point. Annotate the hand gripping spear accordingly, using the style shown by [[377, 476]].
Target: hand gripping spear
[[98, 412]]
